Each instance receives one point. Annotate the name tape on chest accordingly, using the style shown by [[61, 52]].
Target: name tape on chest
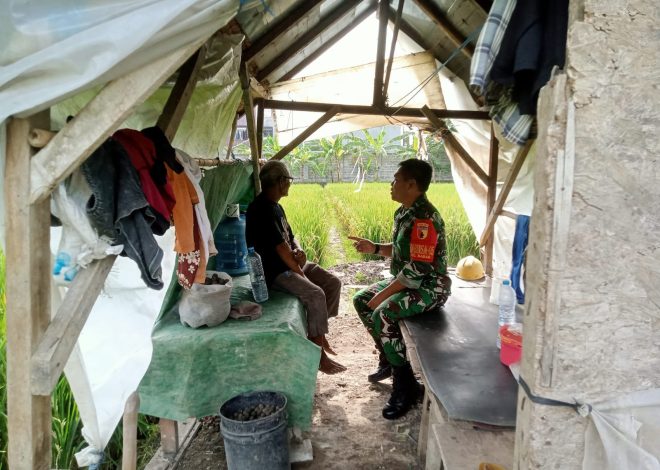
[[423, 240]]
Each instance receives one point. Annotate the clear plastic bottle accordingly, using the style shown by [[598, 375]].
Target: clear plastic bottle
[[507, 309], [257, 276]]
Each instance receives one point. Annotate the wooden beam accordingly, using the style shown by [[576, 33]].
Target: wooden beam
[[230, 145], [328, 43], [55, 347], [169, 437], [99, 118], [129, 430], [27, 290], [395, 33], [449, 139], [260, 126], [181, 93], [435, 14], [289, 19], [492, 193], [373, 111], [411, 32], [504, 192], [249, 117], [304, 134], [304, 40], [378, 98]]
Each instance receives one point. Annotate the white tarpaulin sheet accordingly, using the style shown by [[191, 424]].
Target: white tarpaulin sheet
[[474, 136], [353, 85], [623, 433]]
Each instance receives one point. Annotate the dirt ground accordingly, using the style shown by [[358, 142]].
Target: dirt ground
[[348, 431]]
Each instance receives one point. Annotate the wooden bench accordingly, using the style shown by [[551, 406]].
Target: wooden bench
[[469, 406], [193, 371]]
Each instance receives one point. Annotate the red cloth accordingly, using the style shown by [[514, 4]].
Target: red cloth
[[142, 153]]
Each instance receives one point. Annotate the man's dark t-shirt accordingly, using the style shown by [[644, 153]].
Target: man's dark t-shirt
[[266, 227]]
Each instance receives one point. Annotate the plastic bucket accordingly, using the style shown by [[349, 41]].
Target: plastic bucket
[[260, 443]]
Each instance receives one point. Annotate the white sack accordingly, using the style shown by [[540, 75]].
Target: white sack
[[206, 304]]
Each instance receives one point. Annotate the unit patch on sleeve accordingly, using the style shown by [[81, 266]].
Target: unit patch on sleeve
[[423, 240]]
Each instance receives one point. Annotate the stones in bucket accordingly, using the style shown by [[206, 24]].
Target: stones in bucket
[[254, 430]]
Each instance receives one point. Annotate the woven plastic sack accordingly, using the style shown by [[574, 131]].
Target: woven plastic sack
[[206, 305]]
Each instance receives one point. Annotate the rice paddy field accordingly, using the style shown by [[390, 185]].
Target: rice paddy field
[[315, 211]]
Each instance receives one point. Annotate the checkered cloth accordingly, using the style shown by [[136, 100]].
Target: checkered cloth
[[488, 44], [515, 126]]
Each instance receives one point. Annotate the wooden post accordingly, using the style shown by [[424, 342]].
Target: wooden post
[[451, 141], [249, 117], [504, 193], [169, 436], [490, 201], [260, 126], [181, 93], [395, 33], [52, 352], [378, 98], [28, 299], [284, 151], [130, 420], [230, 145]]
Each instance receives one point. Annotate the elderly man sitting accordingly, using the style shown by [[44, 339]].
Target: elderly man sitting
[[285, 263]]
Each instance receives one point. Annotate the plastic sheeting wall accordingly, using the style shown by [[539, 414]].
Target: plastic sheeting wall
[[474, 136]]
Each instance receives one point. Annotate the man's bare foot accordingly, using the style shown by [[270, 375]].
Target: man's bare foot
[[327, 348], [328, 366]]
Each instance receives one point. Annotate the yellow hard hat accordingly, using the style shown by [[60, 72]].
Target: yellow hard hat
[[469, 269]]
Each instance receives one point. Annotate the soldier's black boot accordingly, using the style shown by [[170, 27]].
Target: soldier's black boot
[[384, 368], [406, 391]]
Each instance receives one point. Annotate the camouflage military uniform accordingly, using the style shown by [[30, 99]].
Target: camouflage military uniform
[[419, 262]]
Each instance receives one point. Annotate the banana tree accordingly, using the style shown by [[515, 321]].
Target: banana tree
[[369, 151], [329, 153]]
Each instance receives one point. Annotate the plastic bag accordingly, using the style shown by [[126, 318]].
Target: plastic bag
[[80, 244], [206, 304]]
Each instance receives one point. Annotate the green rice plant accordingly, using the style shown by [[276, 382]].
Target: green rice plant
[[307, 214], [369, 214], [66, 425]]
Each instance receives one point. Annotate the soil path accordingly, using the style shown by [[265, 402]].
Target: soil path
[[348, 431]]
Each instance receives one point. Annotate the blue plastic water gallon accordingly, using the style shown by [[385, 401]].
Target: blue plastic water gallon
[[229, 239]]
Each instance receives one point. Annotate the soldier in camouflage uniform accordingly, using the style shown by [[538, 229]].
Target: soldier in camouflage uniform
[[419, 266]]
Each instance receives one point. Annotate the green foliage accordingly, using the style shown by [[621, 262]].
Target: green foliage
[[307, 213], [369, 214], [438, 158], [67, 426], [329, 153], [369, 151]]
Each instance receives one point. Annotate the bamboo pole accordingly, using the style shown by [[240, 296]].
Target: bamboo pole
[[249, 117]]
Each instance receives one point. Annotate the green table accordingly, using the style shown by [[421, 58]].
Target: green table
[[193, 371]]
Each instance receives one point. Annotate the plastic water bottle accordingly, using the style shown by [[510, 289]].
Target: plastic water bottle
[[257, 276], [507, 310]]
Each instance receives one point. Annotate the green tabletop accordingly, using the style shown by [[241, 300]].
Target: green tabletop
[[193, 371]]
